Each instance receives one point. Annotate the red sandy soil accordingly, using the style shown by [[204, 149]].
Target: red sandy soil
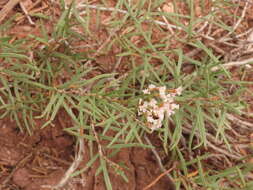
[[32, 162]]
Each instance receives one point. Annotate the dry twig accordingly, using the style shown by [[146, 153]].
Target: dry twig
[[20, 164], [165, 172], [73, 167], [166, 21], [232, 64], [158, 178], [26, 13], [239, 121], [239, 20], [7, 8]]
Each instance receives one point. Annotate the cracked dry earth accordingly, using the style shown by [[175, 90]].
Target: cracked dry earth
[[39, 161]]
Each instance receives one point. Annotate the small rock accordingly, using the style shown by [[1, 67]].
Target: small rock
[[64, 141], [21, 177], [168, 8]]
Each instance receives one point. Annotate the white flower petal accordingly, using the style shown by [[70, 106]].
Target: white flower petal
[[154, 113]]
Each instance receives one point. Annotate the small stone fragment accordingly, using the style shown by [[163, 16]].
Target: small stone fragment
[[21, 177], [168, 7]]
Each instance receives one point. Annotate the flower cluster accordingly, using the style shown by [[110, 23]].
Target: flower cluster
[[161, 103]]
